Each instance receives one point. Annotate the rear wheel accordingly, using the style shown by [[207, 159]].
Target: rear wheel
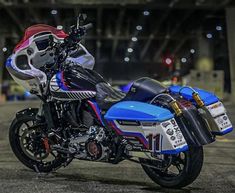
[[181, 169], [27, 141]]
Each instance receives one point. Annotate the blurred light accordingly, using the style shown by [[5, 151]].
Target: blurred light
[[218, 28], [139, 27], [134, 39], [192, 51], [4, 49], [27, 94], [146, 13], [130, 50], [126, 59], [54, 11], [199, 2], [59, 27], [209, 35], [168, 61], [183, 60]]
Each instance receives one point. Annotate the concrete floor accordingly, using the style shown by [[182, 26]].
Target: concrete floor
[[218, 173]]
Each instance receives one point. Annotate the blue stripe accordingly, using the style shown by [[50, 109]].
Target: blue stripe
[[132, 134], [8, 62], [175, 151], [98, 112], [222, 132], [60, 82]]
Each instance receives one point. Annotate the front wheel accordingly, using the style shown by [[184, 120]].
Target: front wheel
[[181, 169], [27, 143]]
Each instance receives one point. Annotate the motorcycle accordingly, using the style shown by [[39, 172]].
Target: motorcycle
[[83, 117]]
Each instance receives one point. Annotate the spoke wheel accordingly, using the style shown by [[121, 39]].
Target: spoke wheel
[[27, 143], [178, 170]]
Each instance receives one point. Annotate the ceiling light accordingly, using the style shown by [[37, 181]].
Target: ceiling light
[[192, 51], [4, 49], [209, 35], [183, 60], [139, 27], [134, 39], [218, 28], [130, 50], [126, 59], [54, 11], [146, 13]]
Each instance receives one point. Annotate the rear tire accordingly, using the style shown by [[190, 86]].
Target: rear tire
[[192, 167], [20, 153]]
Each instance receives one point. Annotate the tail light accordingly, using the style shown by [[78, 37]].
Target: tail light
[[184, 104]]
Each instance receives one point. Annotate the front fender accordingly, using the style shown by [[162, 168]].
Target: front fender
[[26, 112]]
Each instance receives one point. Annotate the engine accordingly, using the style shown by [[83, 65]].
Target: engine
[[82, 138], [89, 145]]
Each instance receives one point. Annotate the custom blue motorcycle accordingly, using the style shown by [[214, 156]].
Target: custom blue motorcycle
[[82, 116]]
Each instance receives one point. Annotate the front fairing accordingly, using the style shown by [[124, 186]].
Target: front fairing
[[81, 57]]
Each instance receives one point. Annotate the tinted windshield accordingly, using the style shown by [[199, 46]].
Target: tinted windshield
[[36, 29]]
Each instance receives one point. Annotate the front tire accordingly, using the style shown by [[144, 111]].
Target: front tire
[[193, 161], [39, 162]]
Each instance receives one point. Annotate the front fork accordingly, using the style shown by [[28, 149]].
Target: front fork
[[45, 115]]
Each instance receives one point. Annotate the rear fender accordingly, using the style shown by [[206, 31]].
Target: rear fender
[[192, 125], [194, 128]]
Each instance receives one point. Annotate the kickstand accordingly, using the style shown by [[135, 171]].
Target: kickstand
[[40, 174]]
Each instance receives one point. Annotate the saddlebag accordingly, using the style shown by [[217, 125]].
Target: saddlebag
[[146, 126], [213, 110]]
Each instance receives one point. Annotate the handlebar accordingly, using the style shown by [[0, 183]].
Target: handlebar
[[88, 26], [70, 42], [77, 33]]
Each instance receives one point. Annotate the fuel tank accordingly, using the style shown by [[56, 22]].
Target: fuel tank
[[75, 83]]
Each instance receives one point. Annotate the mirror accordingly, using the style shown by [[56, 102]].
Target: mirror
[[81, 18]]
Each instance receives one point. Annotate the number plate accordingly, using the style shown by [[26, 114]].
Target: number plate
[[216, 109], [223, 122]]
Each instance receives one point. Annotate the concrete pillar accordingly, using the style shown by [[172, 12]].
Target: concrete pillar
[[230, 19], [204, 54], [204, 48]]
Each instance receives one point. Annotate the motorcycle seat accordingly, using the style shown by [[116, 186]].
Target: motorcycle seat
[[106, 95], [143, 90]]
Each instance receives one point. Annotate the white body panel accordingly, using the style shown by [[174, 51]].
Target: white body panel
[[86, 60], [166, 136]]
